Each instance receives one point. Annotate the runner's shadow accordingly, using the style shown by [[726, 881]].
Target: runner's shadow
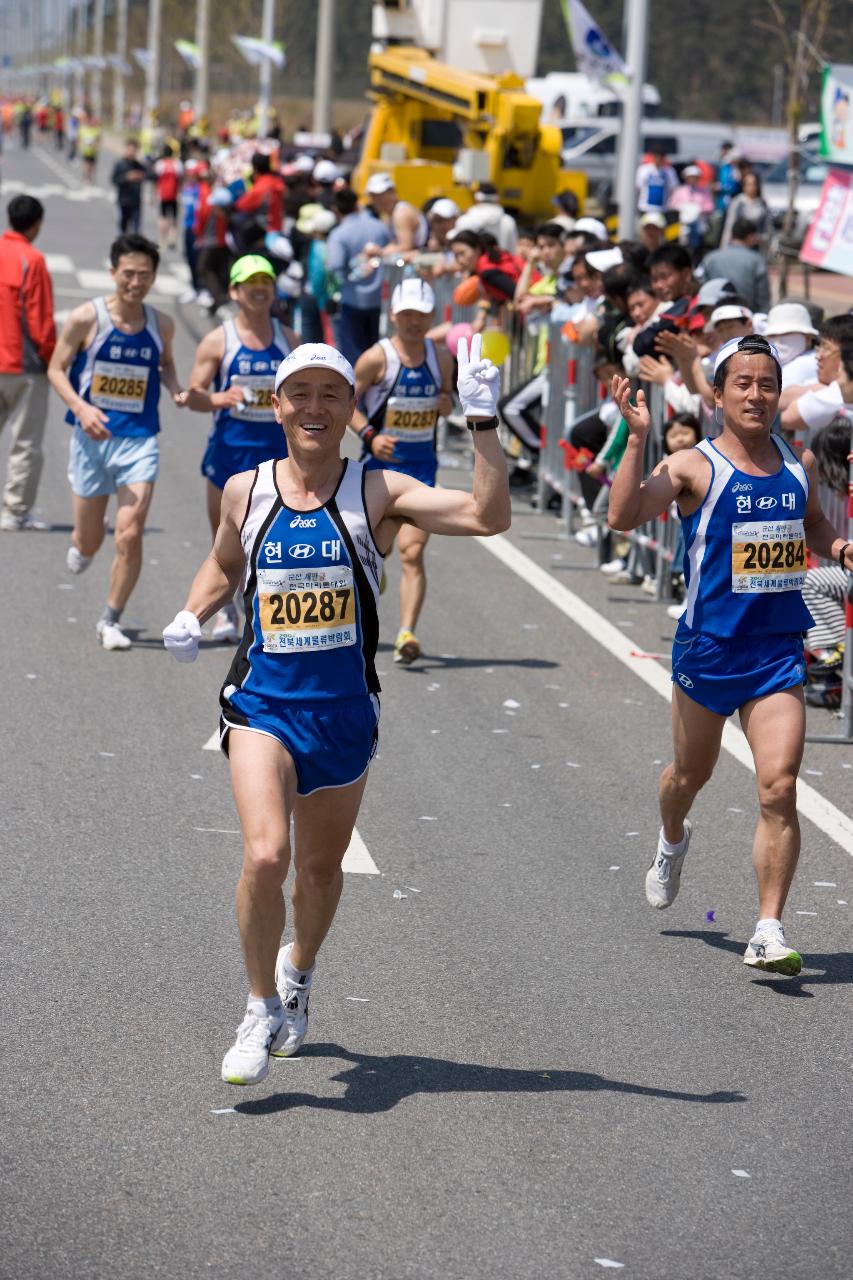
[[435, 662], [375, 1084], [834, 968]]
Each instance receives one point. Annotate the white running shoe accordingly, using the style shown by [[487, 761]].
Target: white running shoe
[[649, 585], [587, 536], [248, 1059], [294, 998], [111, 635], [76, 561], [614, 566], [10, 523], [663, 878], [204, 298], [189, 295], [768, 950], [226, 626]]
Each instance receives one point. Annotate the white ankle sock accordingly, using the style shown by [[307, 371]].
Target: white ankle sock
[[672, 849], [770, 922], [264, 1006], [302, 977]]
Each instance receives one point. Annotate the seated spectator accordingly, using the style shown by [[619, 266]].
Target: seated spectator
[[825, 589]]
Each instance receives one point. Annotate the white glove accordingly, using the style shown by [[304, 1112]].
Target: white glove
[[479, 380], [181, 637]]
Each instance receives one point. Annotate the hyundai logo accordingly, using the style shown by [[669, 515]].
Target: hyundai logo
[[766, 504], [685, 681], [302, 551]]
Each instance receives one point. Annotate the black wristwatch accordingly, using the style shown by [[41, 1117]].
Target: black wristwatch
[[841, 554], [481, 424]]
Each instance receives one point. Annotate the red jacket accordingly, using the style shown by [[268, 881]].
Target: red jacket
[[265, 196], [27, 331]]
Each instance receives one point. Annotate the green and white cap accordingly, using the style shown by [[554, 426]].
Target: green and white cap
[[251, 264]]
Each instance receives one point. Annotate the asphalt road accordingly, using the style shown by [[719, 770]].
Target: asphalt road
[[516, 1069]]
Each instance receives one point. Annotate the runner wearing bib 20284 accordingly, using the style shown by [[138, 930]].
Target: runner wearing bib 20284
[[749, 511], [404, 384], [306, 535], [233, 378]]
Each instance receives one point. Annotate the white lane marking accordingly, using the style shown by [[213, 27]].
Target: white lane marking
[[357, 861], [825, 816], [59, 263], [96, 281], [212, 743]]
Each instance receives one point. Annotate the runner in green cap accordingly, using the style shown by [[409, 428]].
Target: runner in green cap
[[238, 360]]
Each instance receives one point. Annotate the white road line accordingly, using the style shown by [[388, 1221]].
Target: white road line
[[811, 804], [212, 743], [357, 861], [95, 281], [59, 263]]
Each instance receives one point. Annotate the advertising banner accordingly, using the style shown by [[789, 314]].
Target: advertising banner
[[829, 243]]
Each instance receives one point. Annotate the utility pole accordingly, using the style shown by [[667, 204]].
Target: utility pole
[[632, 119], [152, 71], [201, 104], [324, 66], [118, 71], [265, 70], [79, 53], [97, 71]]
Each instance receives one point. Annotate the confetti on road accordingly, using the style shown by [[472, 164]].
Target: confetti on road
[[506, 805], [842, 902], [709, 916], [741, 1173], [641, 653], [413, 890], [500, 731], [398, 895], [218, 831], [608, 1262], [425, 818], [553, 686], [197, 776], [435, 731], [825, 884], [731, 810], [431, 688], [613, 868], [632, 833], [223, 1111], [359, 999], [511, 704], [536, 766], [806, 913], [562, 704], [109, 754], [70, 619], [66, 586], [572, 764], [815, 773], [530, 626], [31, 676]]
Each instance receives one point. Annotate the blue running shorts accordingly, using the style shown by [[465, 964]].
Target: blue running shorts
[[722, 674], [99, 467], [222, 461], [332, 742]]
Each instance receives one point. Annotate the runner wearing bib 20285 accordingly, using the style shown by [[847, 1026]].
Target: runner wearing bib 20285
[[306, 535], [404, 383], [749, 511], [108, 365], [238, 361]]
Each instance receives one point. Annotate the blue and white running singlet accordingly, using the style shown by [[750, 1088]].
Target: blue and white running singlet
[[745, 550], [254, 423], [311, 589], [405, 404], [120, 374]]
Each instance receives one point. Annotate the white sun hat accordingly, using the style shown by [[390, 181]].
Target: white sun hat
[[789, 317]]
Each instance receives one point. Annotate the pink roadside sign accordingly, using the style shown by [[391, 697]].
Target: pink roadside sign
[[829, 242]]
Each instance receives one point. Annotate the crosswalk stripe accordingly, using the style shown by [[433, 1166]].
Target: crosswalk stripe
[[59, 264]]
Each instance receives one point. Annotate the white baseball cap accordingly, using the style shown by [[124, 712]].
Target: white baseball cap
[[729, 312], [314, 355], [304, 164], [691, 171], [653, 220], [604, 259], [789, 317], [593, 226], [444, 209], [379, 183], [752, 344], [413, 294], [326, 171]]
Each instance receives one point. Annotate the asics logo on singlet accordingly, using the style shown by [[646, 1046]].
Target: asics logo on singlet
[[685, 681], [302, 551], [299, 523], [766, 504], [741, 488]]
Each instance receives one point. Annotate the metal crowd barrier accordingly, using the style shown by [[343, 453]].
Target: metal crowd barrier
[[840, 513]]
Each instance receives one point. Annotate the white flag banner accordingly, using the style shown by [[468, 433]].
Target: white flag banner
[[257, 51], [594, 54], [143, 57], [120, 64], [190, 53]]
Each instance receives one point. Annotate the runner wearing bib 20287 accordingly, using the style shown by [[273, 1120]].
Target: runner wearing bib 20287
[[306, 535], [108, 365], [750, 511], [238, 361], [404, 384]]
